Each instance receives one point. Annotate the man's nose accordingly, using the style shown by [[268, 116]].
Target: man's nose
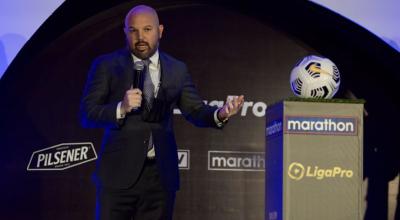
[[140, 35]]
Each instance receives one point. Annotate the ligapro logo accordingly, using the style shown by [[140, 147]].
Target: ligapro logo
[[321, 125], [236, 161], [297, 171], [62, 156], [249, 107]]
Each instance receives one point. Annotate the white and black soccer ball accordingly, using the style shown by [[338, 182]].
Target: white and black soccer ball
[[315, 77]]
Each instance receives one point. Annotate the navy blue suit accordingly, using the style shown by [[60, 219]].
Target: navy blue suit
[[125, 142]]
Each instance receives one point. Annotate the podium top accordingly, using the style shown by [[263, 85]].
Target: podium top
[[350, 101]]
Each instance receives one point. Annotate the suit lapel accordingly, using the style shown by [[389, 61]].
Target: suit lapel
[[167, 79], [126, 62]]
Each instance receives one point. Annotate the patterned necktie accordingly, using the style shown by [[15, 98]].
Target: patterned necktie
[[148, 86], [148, 93]]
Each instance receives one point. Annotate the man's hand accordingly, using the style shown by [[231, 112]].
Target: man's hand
[[230, 108], [132, 100]]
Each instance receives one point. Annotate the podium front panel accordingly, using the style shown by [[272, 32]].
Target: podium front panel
[[321, 151]]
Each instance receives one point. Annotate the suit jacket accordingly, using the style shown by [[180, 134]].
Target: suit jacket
[[125, 141]]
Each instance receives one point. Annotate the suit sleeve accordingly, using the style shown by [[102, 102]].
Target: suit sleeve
[[192, 106], [95, 111]]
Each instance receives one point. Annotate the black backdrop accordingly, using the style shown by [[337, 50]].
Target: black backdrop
[[231, 48]]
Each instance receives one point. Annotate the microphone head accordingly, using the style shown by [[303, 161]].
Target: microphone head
[[139, 65]]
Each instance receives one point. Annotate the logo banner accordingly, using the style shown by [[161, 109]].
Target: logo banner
[[62, 156]]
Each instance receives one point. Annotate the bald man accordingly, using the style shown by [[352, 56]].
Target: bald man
[[137, 171]]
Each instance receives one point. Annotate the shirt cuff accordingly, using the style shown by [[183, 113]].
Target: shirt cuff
[[217, 121], [119, 115]]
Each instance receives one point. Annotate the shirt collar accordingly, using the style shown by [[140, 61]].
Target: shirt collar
[[154, 58]]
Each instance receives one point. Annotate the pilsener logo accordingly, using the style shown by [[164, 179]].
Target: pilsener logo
[[236, 161], [62, 156], [298, 171], [321, 125]]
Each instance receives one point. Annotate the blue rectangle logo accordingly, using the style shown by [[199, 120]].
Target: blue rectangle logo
[[321, 125]]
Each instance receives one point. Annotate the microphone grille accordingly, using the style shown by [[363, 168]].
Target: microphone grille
[[139, 65]]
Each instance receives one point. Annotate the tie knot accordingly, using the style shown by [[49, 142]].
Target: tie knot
[[146, 62]]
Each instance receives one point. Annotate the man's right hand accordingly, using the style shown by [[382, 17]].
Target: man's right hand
[[132, 100]]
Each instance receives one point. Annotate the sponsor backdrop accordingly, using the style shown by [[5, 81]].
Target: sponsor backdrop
[[230, 50]]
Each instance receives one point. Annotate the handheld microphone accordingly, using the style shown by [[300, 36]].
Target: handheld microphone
[[138, 76]]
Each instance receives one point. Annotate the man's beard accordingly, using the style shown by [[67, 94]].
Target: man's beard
[[146, 53]]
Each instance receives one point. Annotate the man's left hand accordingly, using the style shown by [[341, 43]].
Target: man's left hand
[[230, 108]]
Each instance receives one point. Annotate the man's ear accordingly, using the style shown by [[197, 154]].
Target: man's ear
[[160, 30]]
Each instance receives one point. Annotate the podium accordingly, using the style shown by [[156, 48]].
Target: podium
[[314, 165]]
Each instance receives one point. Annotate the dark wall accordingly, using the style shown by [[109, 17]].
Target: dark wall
[[237, 48]]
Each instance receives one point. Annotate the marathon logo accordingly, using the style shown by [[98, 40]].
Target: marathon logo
[[236, 161], [321, 125], [274, 127], [184, 159], [62, 156]]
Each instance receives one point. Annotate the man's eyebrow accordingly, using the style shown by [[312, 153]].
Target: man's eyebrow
[[147, 26]]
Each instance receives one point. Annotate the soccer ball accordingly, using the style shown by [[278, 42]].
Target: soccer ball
[[315, 77]]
